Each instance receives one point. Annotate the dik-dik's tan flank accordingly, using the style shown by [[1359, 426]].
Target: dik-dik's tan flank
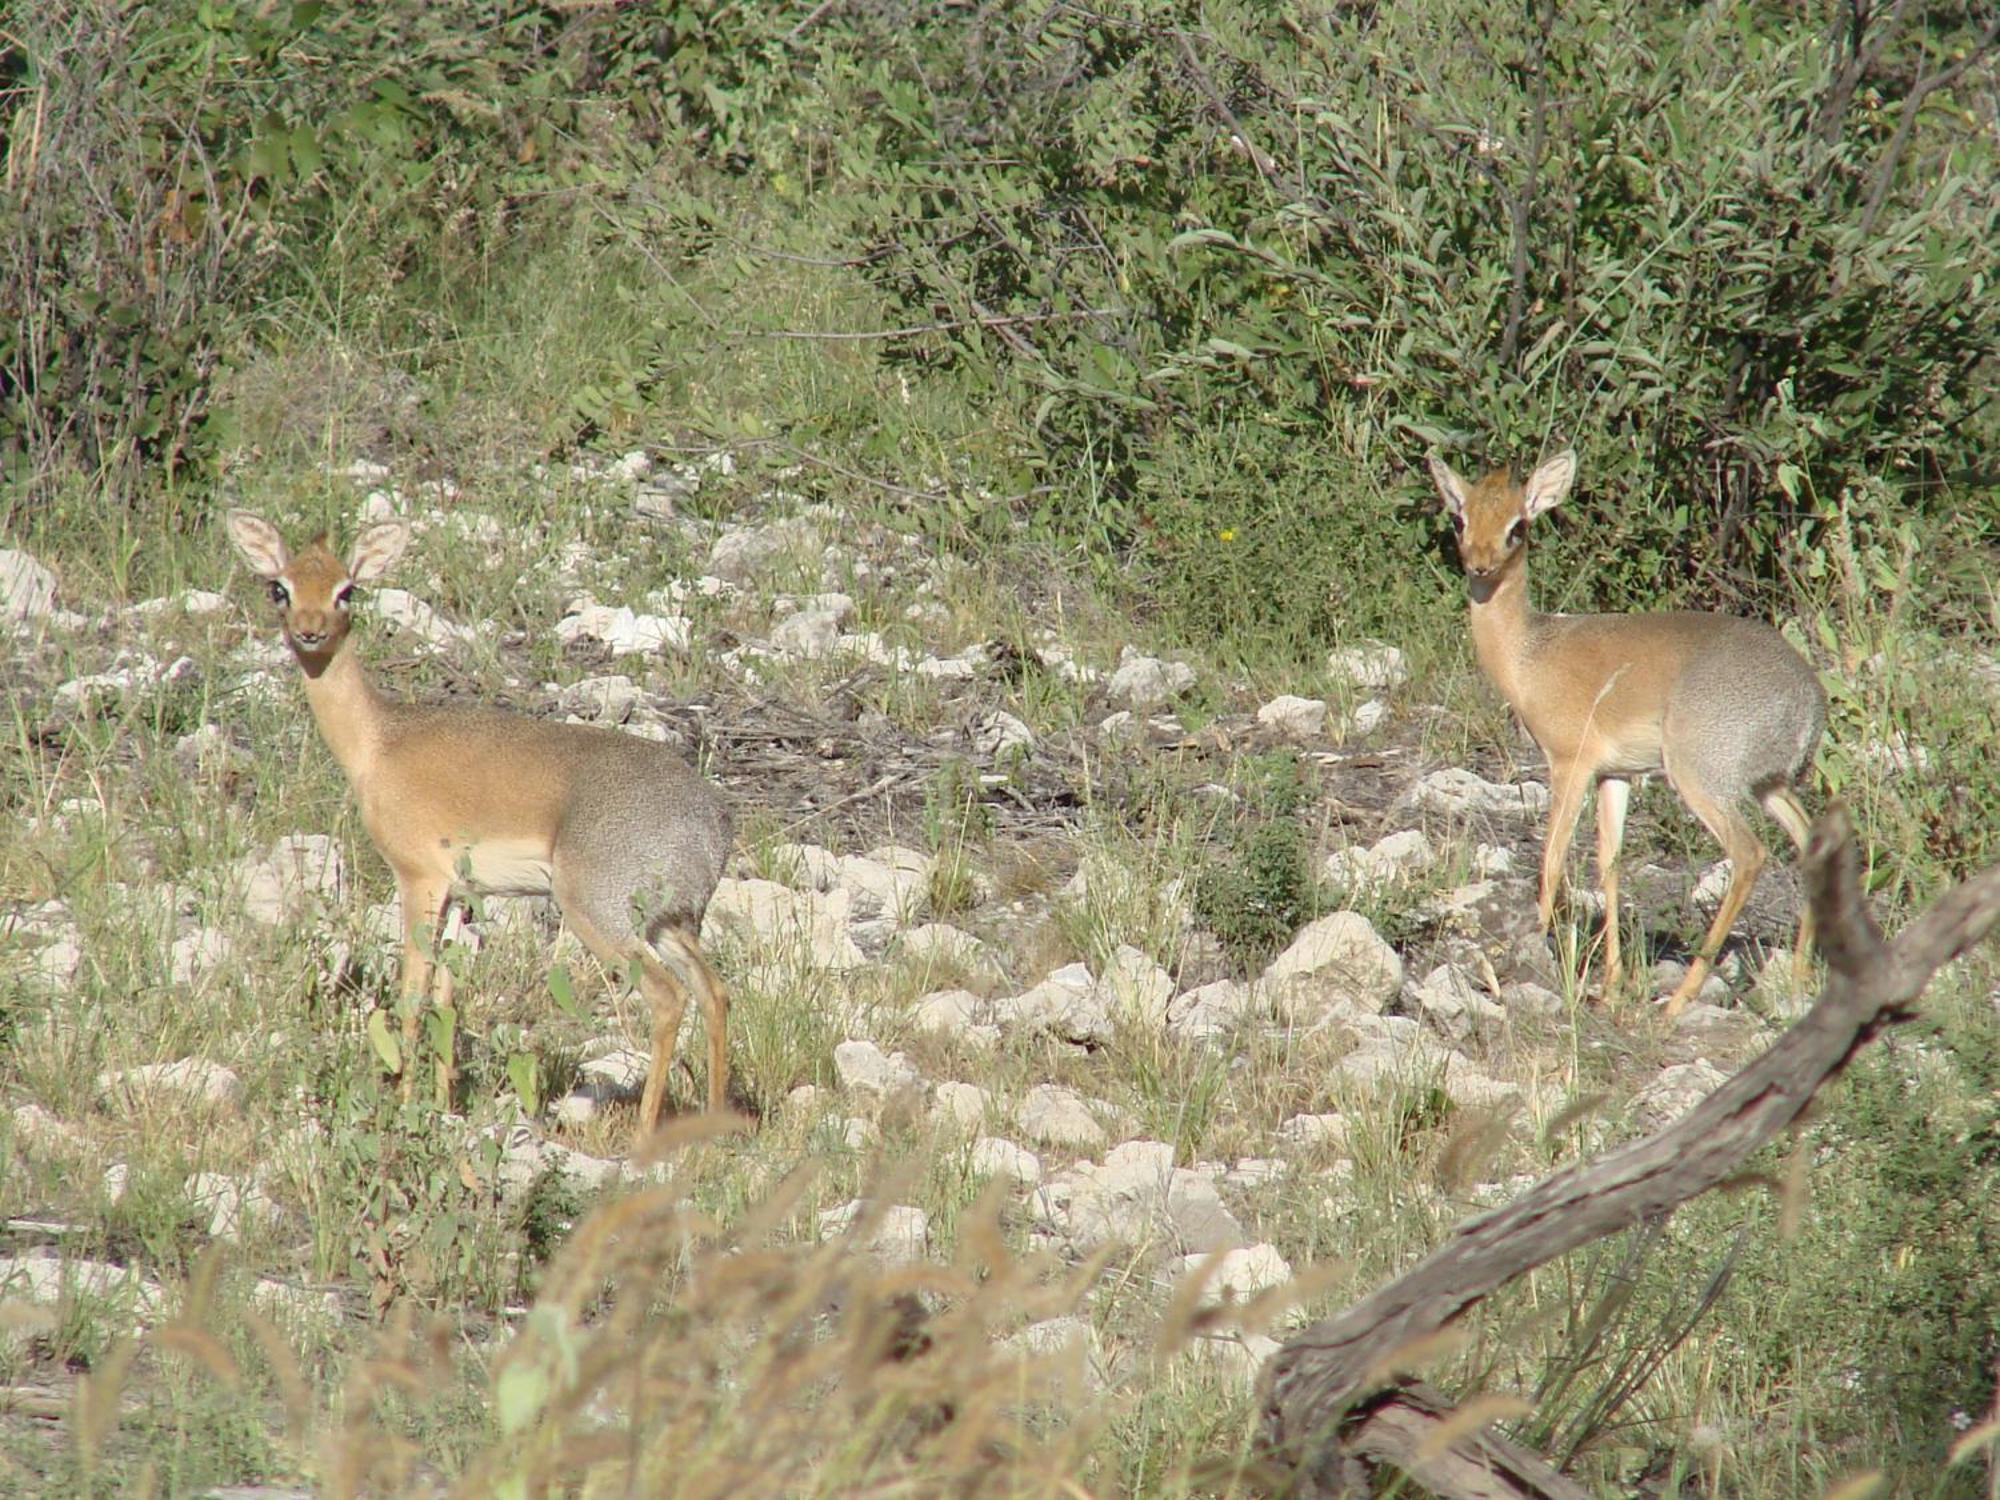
[[1722, 705], [608, 824]]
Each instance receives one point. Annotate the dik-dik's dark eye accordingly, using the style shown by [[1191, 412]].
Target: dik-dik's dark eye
[[279, 593], [1515, 532], [341, 595], [1458, 523]]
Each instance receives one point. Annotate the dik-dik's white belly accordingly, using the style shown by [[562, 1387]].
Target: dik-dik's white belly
[[503, 867]]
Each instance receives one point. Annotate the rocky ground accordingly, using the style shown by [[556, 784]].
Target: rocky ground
[[983, 994]]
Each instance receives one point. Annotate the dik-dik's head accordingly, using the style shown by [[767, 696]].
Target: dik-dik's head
[[312, 587], [1491, 517]]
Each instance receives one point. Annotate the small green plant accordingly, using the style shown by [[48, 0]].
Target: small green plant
[[1257, 896]]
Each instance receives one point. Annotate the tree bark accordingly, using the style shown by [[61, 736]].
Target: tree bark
[[1333, 1397]]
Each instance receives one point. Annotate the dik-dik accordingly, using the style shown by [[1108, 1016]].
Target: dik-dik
[[1723, 706], [626, 837]]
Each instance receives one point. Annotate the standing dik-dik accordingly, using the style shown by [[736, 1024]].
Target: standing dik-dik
[[1722, 705], [619, 830]]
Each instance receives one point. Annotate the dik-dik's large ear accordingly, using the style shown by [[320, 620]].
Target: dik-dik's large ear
[[258, 540], [1449, 485], [376, 550], [1549, 485]]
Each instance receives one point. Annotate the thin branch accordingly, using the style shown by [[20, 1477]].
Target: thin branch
[[1906, 122], [1521, 205], [983, 320]]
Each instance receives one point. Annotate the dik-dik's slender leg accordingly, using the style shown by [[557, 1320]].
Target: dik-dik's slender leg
[[1613, 793], [1570, 781], [426, 902], [1746, 862]]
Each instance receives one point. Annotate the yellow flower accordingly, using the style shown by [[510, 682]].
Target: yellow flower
[[1227, 534]]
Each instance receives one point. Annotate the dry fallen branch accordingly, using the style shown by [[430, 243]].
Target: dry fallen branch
[[1334, 1405]]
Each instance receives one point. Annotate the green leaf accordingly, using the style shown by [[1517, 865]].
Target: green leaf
[[520, 1394], [525, 1076], [384, 1041]]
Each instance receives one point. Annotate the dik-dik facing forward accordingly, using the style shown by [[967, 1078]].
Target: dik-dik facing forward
[[1723, 706], [611, 825]]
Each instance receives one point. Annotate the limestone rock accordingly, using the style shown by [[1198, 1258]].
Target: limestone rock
[[1146, 682], [1295, 718], [1057, 1116], [1337, 960]]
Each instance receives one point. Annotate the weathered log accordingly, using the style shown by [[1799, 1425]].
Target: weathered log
[[1334, 1402]]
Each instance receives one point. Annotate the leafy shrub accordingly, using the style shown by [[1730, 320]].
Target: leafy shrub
[[1257, 897]]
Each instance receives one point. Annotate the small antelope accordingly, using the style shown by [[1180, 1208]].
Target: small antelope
[[1722, 705], [619, 830]]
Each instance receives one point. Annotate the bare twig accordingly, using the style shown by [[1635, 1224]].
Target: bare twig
[[1906, 121], [996, 321], [1521, 203]]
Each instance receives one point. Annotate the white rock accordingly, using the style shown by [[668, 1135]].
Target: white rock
[[1677, 1090], [959, 1105], [1295, 718], [750, 552], [1117, 727], [1146, 682], [55, 964], [1712, 887], [863, 1068], [803, 926], [993, 1156], [1370, 665], [1057, 1116], [955, 1013], [194, 957], [871, 646], [1336, 960], [840, 606], [941, 943], [1211, 1010], [232, 1205], [191, 602], [857, 1135], [195, 1079], [298, 1308], [27, 589], [1366, 717], [1304, 1132], [609, 699], [1490, 861], [407, 612], [892, 882], [899, 1235], [998, 735], [1455, 1005], [45, 1131], [1237, 1275], [47, 1278], [1138, 1196], [301, 869], [1137, 989], [1389, 862], [807, 866], [1253, 1172], [808, 635], [1067, 1341], [623, 631], [1456, 792], [1067, 1005]]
